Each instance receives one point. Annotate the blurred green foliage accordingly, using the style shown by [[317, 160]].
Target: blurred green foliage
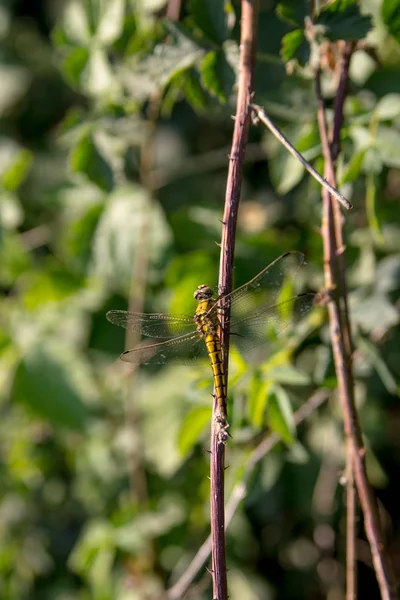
[[115, 131]]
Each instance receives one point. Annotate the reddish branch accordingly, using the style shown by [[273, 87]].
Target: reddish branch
[[239, 491], [342, 346], [232, 197]]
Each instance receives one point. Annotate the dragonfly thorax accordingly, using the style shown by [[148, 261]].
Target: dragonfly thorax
[[203, 292]]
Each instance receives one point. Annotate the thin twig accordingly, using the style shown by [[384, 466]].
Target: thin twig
[[240, 489], [285, 142], [232, 197], [330, 174], [341, 348], [351, 579]]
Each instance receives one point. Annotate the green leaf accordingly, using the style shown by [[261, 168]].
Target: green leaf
[[289, 375], [366, 312], [15, 260], [86, 158], [17, 171], [353, 169], [75, 64], [217, 75], [44, 383], [51, 285], [212, 18], [97, 78], [388, 107], [372, 183], [182, 281], [155, 71], [78, 234], [257, 401], [11, 213], [295, 47], [388, 145], [388, 274], [373, 161], [377, 361], [343, 20], [192, 428], [280, 414], [194, 91], [111, 21], [391, 17], [119, 236], [294, 11], [75, 26]]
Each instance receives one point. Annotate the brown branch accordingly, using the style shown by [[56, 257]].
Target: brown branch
[[240, 489], [174, 9], [341, 342], [330, 165], [232, 197], [351, 531], [263, 117]]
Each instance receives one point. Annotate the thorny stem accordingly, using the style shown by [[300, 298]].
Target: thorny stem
[[342, 347], [240, 489], [232, 197]]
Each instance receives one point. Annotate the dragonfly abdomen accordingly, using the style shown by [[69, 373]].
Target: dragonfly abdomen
[[214, 352], [207, 327]]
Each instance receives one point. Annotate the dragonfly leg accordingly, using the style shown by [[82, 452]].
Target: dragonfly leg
[[222, 429]]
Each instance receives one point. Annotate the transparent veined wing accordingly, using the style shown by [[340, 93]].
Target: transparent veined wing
[[256, 313], [255, 309], [154, 325], [243, 300], [268, 322], [183, 349]]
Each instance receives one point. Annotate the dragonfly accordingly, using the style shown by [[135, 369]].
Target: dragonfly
[[250, 308]]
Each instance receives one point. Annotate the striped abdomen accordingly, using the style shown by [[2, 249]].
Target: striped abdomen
[[208, 329], [214, 352]]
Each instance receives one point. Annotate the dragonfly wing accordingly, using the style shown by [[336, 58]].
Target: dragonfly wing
[[154, 325], [269, 321], [269, 281], [184, 350]]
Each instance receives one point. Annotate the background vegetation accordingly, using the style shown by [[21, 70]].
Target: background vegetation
[[115, 130]]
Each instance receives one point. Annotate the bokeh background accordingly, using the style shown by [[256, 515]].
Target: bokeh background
[[115, 131]]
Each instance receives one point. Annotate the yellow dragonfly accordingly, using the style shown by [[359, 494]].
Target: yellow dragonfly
[[253, 308]]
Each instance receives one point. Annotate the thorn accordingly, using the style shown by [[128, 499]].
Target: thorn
[[233, 117], [218, 244], [209, 570], [223, 222], [227, 467], [206, 450]]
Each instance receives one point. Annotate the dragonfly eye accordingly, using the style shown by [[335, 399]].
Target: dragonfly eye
[[203, 292]]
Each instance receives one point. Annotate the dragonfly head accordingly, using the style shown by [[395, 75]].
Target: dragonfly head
[[203, 292]]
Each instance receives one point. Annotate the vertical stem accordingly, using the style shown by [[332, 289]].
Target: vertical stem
[[351, 510], [342, 346], [334, 251], [232, 197]]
